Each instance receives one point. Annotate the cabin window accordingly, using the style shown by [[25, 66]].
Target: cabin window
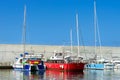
[[20, 60], [60, 54]]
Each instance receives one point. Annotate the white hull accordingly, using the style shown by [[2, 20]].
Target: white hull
[[109, 66], [117, 66], [17, 66]]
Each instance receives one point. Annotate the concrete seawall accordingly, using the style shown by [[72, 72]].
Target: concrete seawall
[[8, 52]]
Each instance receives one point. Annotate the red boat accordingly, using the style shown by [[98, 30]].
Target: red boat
[[68, 63]]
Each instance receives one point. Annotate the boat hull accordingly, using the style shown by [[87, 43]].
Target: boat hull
[[65, 66], [29, 67], [18, 66], [94, 66], [99, 66]]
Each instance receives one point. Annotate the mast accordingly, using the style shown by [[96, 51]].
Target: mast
[[97, 32], [99, 38], [77, 34], [95, 26], [71, 40], [24, 30]]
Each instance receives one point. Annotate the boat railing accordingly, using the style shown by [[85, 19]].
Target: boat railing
[[33, 56], [62, 61], [73, 61], [55, 61]]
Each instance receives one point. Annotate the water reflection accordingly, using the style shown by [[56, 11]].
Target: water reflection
[[94, 74], [28, 75], [17, 75], [101, 75], [59, 75], [47, 75]]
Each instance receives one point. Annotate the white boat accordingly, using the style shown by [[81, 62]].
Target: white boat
[[29, 62], [18, 63], [116, 61], [109, 66]]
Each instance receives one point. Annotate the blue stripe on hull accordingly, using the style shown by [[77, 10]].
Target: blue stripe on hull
[[95, 66]]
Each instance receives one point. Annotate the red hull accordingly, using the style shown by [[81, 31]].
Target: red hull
[[65, 66]]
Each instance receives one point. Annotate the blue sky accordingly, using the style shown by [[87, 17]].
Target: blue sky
[[49, 22]]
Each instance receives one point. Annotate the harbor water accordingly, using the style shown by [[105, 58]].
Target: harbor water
[[10, 74]]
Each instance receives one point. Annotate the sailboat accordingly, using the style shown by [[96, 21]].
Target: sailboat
[[64, 62], [98, 62], [95, 63], [28, 61], [18, 64]]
